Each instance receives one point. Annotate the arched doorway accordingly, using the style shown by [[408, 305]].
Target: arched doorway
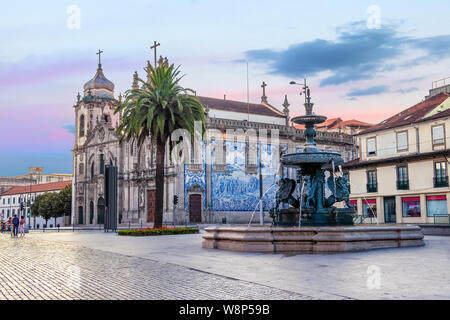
[[80, 215], [91, 212], [101, 211], [195, 208]]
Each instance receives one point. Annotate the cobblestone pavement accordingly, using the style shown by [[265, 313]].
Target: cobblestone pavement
[[31, 268]]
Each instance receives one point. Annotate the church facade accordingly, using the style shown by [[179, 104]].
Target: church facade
[[205, 191]]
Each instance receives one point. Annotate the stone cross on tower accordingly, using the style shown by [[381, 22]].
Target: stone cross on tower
[[154, 46], [99, 58], [264, 98]]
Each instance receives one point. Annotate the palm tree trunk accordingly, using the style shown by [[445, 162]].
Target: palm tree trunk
[[159, 182]]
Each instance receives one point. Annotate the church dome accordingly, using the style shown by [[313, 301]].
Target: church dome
[[99, 83]]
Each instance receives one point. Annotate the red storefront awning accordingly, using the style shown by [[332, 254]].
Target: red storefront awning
[[431, 198], [410, 199], [369, 200]]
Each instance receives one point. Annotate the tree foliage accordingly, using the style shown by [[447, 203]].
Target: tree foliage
[[53, 204], [156, 110]]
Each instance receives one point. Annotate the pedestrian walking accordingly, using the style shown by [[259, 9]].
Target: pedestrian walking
[[10, 229], [22, 226], [15, 222]]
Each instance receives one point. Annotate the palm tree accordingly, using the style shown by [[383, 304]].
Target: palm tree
[[156, 109]]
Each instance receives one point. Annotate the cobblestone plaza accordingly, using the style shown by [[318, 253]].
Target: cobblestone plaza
[[95, 265]]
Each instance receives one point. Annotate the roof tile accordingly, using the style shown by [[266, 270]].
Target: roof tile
[[53, 186]]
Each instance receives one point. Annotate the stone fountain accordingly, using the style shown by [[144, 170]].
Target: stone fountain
[[313, 222], [312, 207]]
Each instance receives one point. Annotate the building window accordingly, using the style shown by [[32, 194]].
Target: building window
[[9, 200], [102, 163], [14, 200], [402, 178], [371, 146], [411, 207], [438, 135], [251, 152], [92, 170], [13, 211], [402, 141], [369, 208], [372, 181], [440, 174], [3, 200], [82, 125], [436, 206]]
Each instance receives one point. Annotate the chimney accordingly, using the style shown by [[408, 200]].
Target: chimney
[[224, 97]]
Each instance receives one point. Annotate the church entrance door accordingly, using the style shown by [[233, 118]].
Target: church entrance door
[[195, 208], [101, 211], [151, 205], [80, 215]]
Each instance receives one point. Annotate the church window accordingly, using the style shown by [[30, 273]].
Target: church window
[[82, 125], [92, 170], [81, 168], [102, 163]]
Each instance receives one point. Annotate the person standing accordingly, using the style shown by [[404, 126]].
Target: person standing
[[15, 223], [10, 229], [21, 226]]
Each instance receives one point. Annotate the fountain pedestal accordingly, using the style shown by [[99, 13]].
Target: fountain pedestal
[[311, 239], [325, 217]]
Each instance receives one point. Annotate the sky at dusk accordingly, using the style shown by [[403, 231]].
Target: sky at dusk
[[356, 68]]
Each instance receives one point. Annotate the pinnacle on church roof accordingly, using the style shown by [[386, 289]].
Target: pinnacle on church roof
[[286, 103], [264, 97], [135, 84]]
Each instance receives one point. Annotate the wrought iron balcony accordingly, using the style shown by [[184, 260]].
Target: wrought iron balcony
[[440, 182], [402, 184], [372, 187]]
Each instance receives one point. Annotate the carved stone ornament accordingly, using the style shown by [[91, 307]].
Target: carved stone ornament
[[101, 134], [195, 188]]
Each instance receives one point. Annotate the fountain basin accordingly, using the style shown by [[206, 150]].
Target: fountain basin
[[298, 160], [311, 239]]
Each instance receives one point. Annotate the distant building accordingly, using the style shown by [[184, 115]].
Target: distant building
[[11, 199], [439, 86], [34, 176], [402, 172], [338, 125]]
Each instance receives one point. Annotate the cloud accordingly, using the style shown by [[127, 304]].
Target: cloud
[[407, 90], [357, 53], [70, 128], [368, 92]]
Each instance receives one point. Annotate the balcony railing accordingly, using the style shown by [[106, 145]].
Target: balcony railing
[[372, 187], [440, 182], [402, 184]]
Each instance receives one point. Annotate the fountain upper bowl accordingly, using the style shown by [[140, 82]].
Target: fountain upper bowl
[[318, 157]]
